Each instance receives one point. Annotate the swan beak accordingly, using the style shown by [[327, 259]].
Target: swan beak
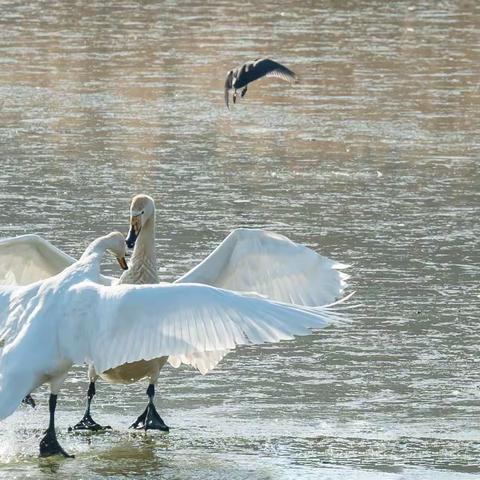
[[131, 237], [123, 263]]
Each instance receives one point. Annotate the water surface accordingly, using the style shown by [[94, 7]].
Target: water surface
[[372, 160]]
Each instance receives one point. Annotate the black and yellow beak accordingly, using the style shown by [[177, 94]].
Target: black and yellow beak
[[131, 237], [123, 263], [134, 231]]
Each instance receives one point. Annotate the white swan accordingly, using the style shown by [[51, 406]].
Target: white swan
[[142, 270], [73, 317], [248, 260]]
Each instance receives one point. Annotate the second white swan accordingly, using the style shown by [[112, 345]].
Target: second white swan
[[248, 260], [73, 317]]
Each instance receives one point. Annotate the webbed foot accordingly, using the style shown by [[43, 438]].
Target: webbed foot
[[28, 400], [49, 446], [88, 423], [150, 420]]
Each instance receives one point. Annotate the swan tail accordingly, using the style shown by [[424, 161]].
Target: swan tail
[[13, 389], [17, 378]]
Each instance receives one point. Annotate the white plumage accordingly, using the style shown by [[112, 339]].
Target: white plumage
[[76, 319], [73, 317], [253, 260], [29, 258], [248, 260], [145, 322]]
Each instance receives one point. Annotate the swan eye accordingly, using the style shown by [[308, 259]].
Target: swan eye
[[143, 211]]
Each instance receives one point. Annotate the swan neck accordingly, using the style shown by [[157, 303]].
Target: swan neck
[[145, 244], [143, 266], [95, 252]]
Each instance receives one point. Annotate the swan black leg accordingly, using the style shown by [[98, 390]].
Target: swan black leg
[[234, 96], [49, 444], [150, 419], [87, 422], [28, 400], [244, 92]]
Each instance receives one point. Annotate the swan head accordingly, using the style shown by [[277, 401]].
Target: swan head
[[142, 209], [115, 243]]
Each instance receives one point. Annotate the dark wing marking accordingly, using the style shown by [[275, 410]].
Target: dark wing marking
[[268, 68]]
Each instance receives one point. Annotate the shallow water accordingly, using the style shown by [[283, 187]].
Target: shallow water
[[372, 160]]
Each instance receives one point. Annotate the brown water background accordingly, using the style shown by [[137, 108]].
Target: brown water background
[[372, 160]]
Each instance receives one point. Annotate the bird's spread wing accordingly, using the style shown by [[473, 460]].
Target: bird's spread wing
[[29, 258], [226, 98], [111, 326], [265, 67], [251, 260], [228, 86]]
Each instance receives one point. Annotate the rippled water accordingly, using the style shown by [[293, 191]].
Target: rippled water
[[372, 159]]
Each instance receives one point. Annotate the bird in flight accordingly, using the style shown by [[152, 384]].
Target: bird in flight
[[240, 77]]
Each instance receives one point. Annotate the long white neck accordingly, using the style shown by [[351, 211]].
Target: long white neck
[[93, 255], [143, 266]]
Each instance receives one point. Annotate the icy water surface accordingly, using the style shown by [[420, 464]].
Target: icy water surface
[[372, 160]]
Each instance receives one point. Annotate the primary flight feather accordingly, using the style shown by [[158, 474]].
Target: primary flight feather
[[238, 78], [73, 317]]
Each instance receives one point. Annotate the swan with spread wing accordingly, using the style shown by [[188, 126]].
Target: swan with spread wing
[[74, 317], [248, 260]]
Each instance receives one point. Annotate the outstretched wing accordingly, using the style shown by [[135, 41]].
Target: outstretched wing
[[110, 326], [252, 260], [29, 258], [228, 86], [265, 67]]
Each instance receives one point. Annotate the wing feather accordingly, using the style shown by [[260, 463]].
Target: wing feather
[[226, 93], [252, 260], [266, 67], [29, 258], [286, 74], [113, 320], [227, 87]]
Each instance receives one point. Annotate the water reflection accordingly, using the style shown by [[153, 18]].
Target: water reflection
[[371, 159]]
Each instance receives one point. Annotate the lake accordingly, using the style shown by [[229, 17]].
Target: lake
[[372, 159]]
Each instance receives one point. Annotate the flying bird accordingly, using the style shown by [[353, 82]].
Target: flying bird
[[240, 77]]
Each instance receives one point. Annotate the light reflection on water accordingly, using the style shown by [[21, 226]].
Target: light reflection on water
[[372, 159]]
